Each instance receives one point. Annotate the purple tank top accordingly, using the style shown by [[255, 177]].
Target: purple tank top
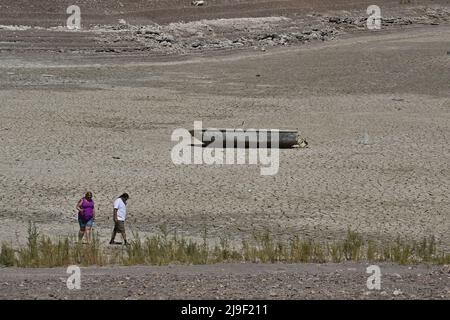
[[88, 210]]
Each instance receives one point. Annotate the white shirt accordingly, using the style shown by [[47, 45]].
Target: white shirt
[[121, 209]]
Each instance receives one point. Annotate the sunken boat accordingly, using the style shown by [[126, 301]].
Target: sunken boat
[[248, 138]]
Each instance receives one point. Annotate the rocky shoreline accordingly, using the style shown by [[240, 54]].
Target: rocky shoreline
[[259, 33]]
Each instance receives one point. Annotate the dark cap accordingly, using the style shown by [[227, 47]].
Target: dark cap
[[125, 195]]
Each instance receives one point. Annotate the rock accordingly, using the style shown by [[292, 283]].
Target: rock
[[198, 3], [397, 292], [360, 22], [285, 39], [267, 36], [196, 44], [334, 20], [165, 38], [299, 36], [154, 32], [314, 36]]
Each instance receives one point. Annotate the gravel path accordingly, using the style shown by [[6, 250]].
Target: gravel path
[[229, 281]]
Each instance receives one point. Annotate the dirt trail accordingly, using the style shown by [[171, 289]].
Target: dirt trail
[[229, 281]]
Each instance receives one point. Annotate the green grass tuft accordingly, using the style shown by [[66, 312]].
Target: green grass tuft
[[164, 248]]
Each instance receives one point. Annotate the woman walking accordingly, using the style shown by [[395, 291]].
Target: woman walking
[[86, 216]]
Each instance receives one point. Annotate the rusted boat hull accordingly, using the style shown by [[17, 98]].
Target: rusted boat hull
[[239, 138]]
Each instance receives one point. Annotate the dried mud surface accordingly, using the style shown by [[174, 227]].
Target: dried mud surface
[[95, 110]]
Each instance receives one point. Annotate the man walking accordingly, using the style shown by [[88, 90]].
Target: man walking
[[119, 214]]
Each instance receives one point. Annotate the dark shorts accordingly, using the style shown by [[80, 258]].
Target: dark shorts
[[85, 224], [119, 226]]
